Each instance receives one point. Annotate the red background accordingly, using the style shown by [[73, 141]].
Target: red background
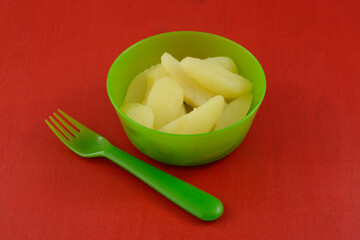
[[296, 175]]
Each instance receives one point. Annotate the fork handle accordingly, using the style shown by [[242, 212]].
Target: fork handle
[[186, 196]]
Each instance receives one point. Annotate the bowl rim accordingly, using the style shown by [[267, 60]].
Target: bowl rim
[[183, 135]]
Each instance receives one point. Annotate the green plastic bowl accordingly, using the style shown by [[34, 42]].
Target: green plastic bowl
[[183, 150]]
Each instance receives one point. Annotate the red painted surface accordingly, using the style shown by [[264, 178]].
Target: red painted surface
[[296, 175]]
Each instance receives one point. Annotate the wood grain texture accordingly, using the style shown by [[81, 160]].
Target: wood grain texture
[[296, 175]]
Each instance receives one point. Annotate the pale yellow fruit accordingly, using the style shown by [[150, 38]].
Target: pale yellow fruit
[[182, 111], [200, 120], [215, 78], [166, 99], [141, 114], [224, 62], [136, 90], [234, 111], [155, 72], [194, 94]]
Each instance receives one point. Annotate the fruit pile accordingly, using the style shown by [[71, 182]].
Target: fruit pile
[[192, 96]]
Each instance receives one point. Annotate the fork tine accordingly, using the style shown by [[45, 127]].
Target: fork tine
[[66, 125], [62, 130], [57, 133], [73, 121]]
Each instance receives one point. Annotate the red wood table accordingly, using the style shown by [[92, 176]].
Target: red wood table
[[296, 175]]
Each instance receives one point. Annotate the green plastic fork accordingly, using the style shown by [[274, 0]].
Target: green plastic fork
[[88, 143]]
